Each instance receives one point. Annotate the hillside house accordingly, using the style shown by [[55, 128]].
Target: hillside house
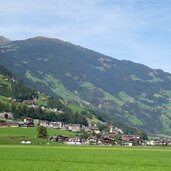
[[93, 140], [6, 115], [73, 141], [130, 138], [112, 134], [74, 127], [127, 144], [3, 123], [115, 130], [27, 124], [87, 128], [106, 141], [43, 108], [56, 125], [34, 106], [36, 121], [12, 124], [151, 143], [56, 110], [95, 130], [58, 138], [44, 123], [28, 120]]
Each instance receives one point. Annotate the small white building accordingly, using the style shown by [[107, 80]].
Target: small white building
[[44, 123], [56, 125], [6, 115], [25, 142], [95, 130], [74, 141], [74, 127], [127, 144], [152, 143], [36, 121], [26, 120]]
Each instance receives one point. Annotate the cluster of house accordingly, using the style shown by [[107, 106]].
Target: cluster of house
[[110, 138], [159, 141], [114, 136], [106, 139], [7, 121], [91, 140], [10, 79], [29, 122], [32, 103]]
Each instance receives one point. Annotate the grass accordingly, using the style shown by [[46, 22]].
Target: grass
[[125, 97], [31, 132], [135, 77], [3, 98], [55, 85], [154, 78], [106, 96], [65, 158], [134, 120], [11, 135], [75, 108], [58, 88], [94, 120], [3, 81]]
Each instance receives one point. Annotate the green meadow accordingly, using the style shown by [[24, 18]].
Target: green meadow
[[46, 155], [10, 135], [74, 158]]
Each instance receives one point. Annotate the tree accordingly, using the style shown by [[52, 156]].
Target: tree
[[143, 135], [6, 116], [84, 134], [41, 132]]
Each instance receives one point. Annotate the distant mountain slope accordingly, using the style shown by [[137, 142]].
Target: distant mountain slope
[[10, 87], [17, 98], [129, 93], [4, 40]]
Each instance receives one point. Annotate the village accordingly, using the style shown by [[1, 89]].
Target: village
[[87, 135]]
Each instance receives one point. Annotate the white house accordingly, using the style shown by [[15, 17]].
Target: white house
[[74, 141], [74, 127], [55, 124]]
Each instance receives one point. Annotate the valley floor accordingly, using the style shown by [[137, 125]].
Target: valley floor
[[53, 158]]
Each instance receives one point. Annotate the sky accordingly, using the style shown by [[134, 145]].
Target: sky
[[135, 30]]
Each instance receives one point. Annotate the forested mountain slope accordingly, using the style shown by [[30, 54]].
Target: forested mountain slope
[[129, 93]]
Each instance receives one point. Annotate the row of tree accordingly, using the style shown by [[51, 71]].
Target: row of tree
[[21, 111]]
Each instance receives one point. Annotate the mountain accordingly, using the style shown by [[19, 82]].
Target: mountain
[[10, 87], [23, 101], [4, 40], [126, 92]]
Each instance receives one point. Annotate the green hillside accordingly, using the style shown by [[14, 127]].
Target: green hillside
[[127, 93], [17, 98]]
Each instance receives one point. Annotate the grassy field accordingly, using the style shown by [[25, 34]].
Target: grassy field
[[31, 132], [71, 158], [55, 157], [15, 135]]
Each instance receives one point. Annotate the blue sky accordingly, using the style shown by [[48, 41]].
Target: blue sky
[[136, 30]]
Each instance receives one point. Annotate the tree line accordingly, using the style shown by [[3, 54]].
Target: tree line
[[21, 111]]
